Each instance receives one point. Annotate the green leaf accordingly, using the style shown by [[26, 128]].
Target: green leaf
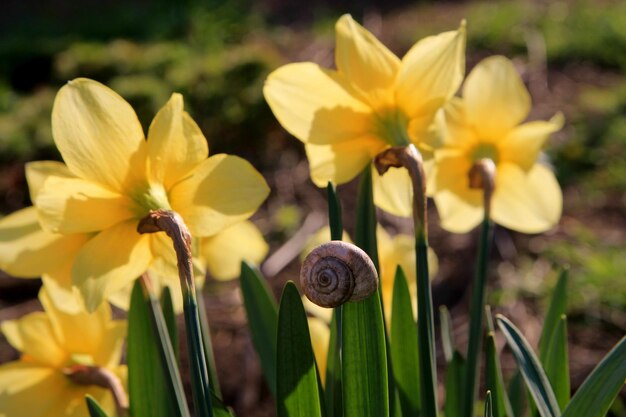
[[535, 377], [447, 335], [404, 353], [333, 389], [208, 345], [94, 408], [477, 310], [488, 407], [169, 315], [154, 384], [364, 374], [454, 385], [556, 363], [262, 315], [494, 381], [556, 309], [219, 409], [517, 394], [297, 390], [594, 397]]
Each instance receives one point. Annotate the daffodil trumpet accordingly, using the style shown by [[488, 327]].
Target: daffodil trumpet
[[482, 175], [101, 377], [173, 225], [411, 159]]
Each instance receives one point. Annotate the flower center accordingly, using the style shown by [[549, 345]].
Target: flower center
[[391, 125], [149, 197], [485, 151]]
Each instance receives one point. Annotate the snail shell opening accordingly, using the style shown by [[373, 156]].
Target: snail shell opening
[[337, 272]]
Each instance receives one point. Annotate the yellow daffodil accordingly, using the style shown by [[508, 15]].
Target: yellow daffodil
[[374, 100], [51, 343], [395, 251], [113, 177], [487, 123]]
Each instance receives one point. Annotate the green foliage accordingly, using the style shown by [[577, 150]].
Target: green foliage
[[94, 408], [297, 390]]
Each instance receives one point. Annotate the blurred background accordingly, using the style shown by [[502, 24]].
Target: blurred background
[[571, 54]]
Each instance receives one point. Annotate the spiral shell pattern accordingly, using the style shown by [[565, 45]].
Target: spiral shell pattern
[[336, 272]]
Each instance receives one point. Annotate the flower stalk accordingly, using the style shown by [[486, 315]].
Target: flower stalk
[[482, 175], [410, 158], [173, 225], [100, 377]]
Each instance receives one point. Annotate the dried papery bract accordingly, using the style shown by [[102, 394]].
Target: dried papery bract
[[410, 158], [482, 176], [337, 272], [100, 377], [173, 225]]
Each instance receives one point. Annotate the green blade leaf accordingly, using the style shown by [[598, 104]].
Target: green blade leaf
[[333, 389], [297, 389], [454, 385], [447, 335], [167, 306], [154, 384], [262, 315], [556, 363], [597, 393], [404, 351], [517, 394], [494, 380], [94, 408], [536, 379], [556, 308], [219, 409], [477, 310], [488, 407]]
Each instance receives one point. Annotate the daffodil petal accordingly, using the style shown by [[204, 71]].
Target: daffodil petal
[[39, 341], [458, 132], [98, 134], [529, 202], [108, 353], [322, 313], [26, 250], [393, 191], [222, 191], [320, 337], [523, 144], [365, 61], [343, 161], [224, 251], [460, 208], [431, 71], [77, 332], [175, 143], [496, 98], [73, 205], [21, 383], [37, 172], [315, 105], [109, 261], [63, 294]]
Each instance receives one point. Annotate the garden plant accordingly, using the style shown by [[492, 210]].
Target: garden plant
[[135, 220]]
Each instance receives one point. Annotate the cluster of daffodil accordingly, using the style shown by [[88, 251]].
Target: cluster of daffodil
[[124, 206]]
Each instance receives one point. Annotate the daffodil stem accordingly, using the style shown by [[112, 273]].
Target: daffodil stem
[[101, 377], [410, 158], [482, 175], [173, 225]]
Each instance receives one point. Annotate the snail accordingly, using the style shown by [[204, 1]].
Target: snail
[[336, 272]]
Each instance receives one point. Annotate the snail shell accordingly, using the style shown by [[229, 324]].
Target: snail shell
[[336, 272]]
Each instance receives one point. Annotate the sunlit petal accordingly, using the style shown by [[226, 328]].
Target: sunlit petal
[[343, 161], [62, 292], [39, 340], [320, 337], [109, 261], [175, 143], [26, 250], [523, 144], [431, 71], [496, 98], [98, 134], [37, 172], [315, 105], [366, 62], [222, 191], [529, 202], [393, 191], [224, 251], [73, 205]]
